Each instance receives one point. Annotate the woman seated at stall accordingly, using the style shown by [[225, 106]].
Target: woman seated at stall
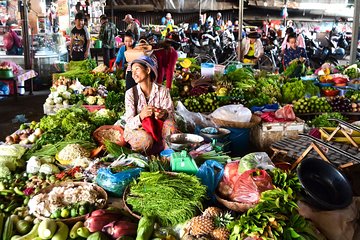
[[294, 51], [149, 110], [252, 48], [129, 43]]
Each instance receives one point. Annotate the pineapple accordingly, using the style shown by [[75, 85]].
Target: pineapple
[[220, 234], [201, 225], [223, 220], [212, 212]]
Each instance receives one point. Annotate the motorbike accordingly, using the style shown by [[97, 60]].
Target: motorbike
[[318, 54]]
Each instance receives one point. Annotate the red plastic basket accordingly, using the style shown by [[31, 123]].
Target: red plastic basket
[[92, 108]]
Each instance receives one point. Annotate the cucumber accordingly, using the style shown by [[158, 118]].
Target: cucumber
[[23, 227], [32, 234], [83, 232], [47, 228], [62, 232], [8, 230], [15, 237], [73, 233]]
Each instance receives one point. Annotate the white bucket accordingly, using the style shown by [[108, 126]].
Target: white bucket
[[207, 69]]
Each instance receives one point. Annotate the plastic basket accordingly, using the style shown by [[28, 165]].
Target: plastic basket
[[92, 108]]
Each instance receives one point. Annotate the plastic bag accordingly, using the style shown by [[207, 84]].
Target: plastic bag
[[247, 188], [236, 113], [115, 183], [192, 118], [259, 160], [286, 113], [210, 174]]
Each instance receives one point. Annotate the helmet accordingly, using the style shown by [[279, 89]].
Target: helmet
[[210, 19]]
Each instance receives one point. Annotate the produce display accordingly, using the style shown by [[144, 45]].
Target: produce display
[[55, 174], [312, 105]]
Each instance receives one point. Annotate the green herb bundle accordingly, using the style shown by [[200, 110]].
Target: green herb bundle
[[322, 120], [172, 199]]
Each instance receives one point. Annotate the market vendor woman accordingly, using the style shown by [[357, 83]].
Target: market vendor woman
[[147, 100]]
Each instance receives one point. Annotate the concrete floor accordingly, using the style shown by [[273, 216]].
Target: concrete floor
[[29, 105]]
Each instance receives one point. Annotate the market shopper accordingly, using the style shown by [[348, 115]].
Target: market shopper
[[166, 57], [133, 26], [107, 34], [80, 40], [129, 43], [251, 47], [12, 42], [299, 39], [219, 22], [294, 51], [168, 20], [147, 102]]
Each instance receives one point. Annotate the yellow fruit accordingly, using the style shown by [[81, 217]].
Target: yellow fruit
[[201, 226], [186, 63], [220, 234], [212, 212]]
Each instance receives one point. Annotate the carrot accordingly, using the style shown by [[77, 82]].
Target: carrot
[[95, 152]]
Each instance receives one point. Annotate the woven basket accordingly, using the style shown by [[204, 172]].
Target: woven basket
[[142, 49], [255, 120], [101, 140], [235, 206], [73, 220]]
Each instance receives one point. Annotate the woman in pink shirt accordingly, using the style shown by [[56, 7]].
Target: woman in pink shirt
[[147, 100]]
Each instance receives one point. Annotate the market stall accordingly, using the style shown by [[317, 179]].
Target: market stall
[[232, 172]]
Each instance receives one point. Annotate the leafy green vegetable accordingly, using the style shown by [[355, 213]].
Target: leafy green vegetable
[[322, 120], [115, 101], [295, 69], [172, 199], [292, 91]]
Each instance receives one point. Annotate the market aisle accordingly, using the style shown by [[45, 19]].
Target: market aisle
[[30, 106]]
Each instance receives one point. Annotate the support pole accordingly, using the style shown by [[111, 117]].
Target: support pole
[[25, 32], [241, 21], [112, 11], [355, 32]]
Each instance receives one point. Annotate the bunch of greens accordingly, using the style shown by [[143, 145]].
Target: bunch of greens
[[84, 76], [242, 78], [88, 64], [267, 91], [311, 89], [172, 199], [296, 69], [115, 101], [74, 123], [109, 81], [322, 120], [275, 216], [292, 90]]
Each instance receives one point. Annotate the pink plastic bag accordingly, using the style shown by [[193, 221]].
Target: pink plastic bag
[[286, 113], [248, 187]]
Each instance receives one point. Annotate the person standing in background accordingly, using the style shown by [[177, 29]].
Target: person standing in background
[[80, 40], [133, 26], [107, 34], [168, 20], [219, 22], [129, 43], [299, 39]]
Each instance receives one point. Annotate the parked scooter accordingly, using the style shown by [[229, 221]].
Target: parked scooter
[[318, 55]]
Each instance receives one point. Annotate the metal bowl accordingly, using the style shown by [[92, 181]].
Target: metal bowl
[[179, 141], [222, 132]]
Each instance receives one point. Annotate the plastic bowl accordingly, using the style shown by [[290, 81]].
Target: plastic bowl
[[330, 84], [330, 93], [325, 187], [309, 78]]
